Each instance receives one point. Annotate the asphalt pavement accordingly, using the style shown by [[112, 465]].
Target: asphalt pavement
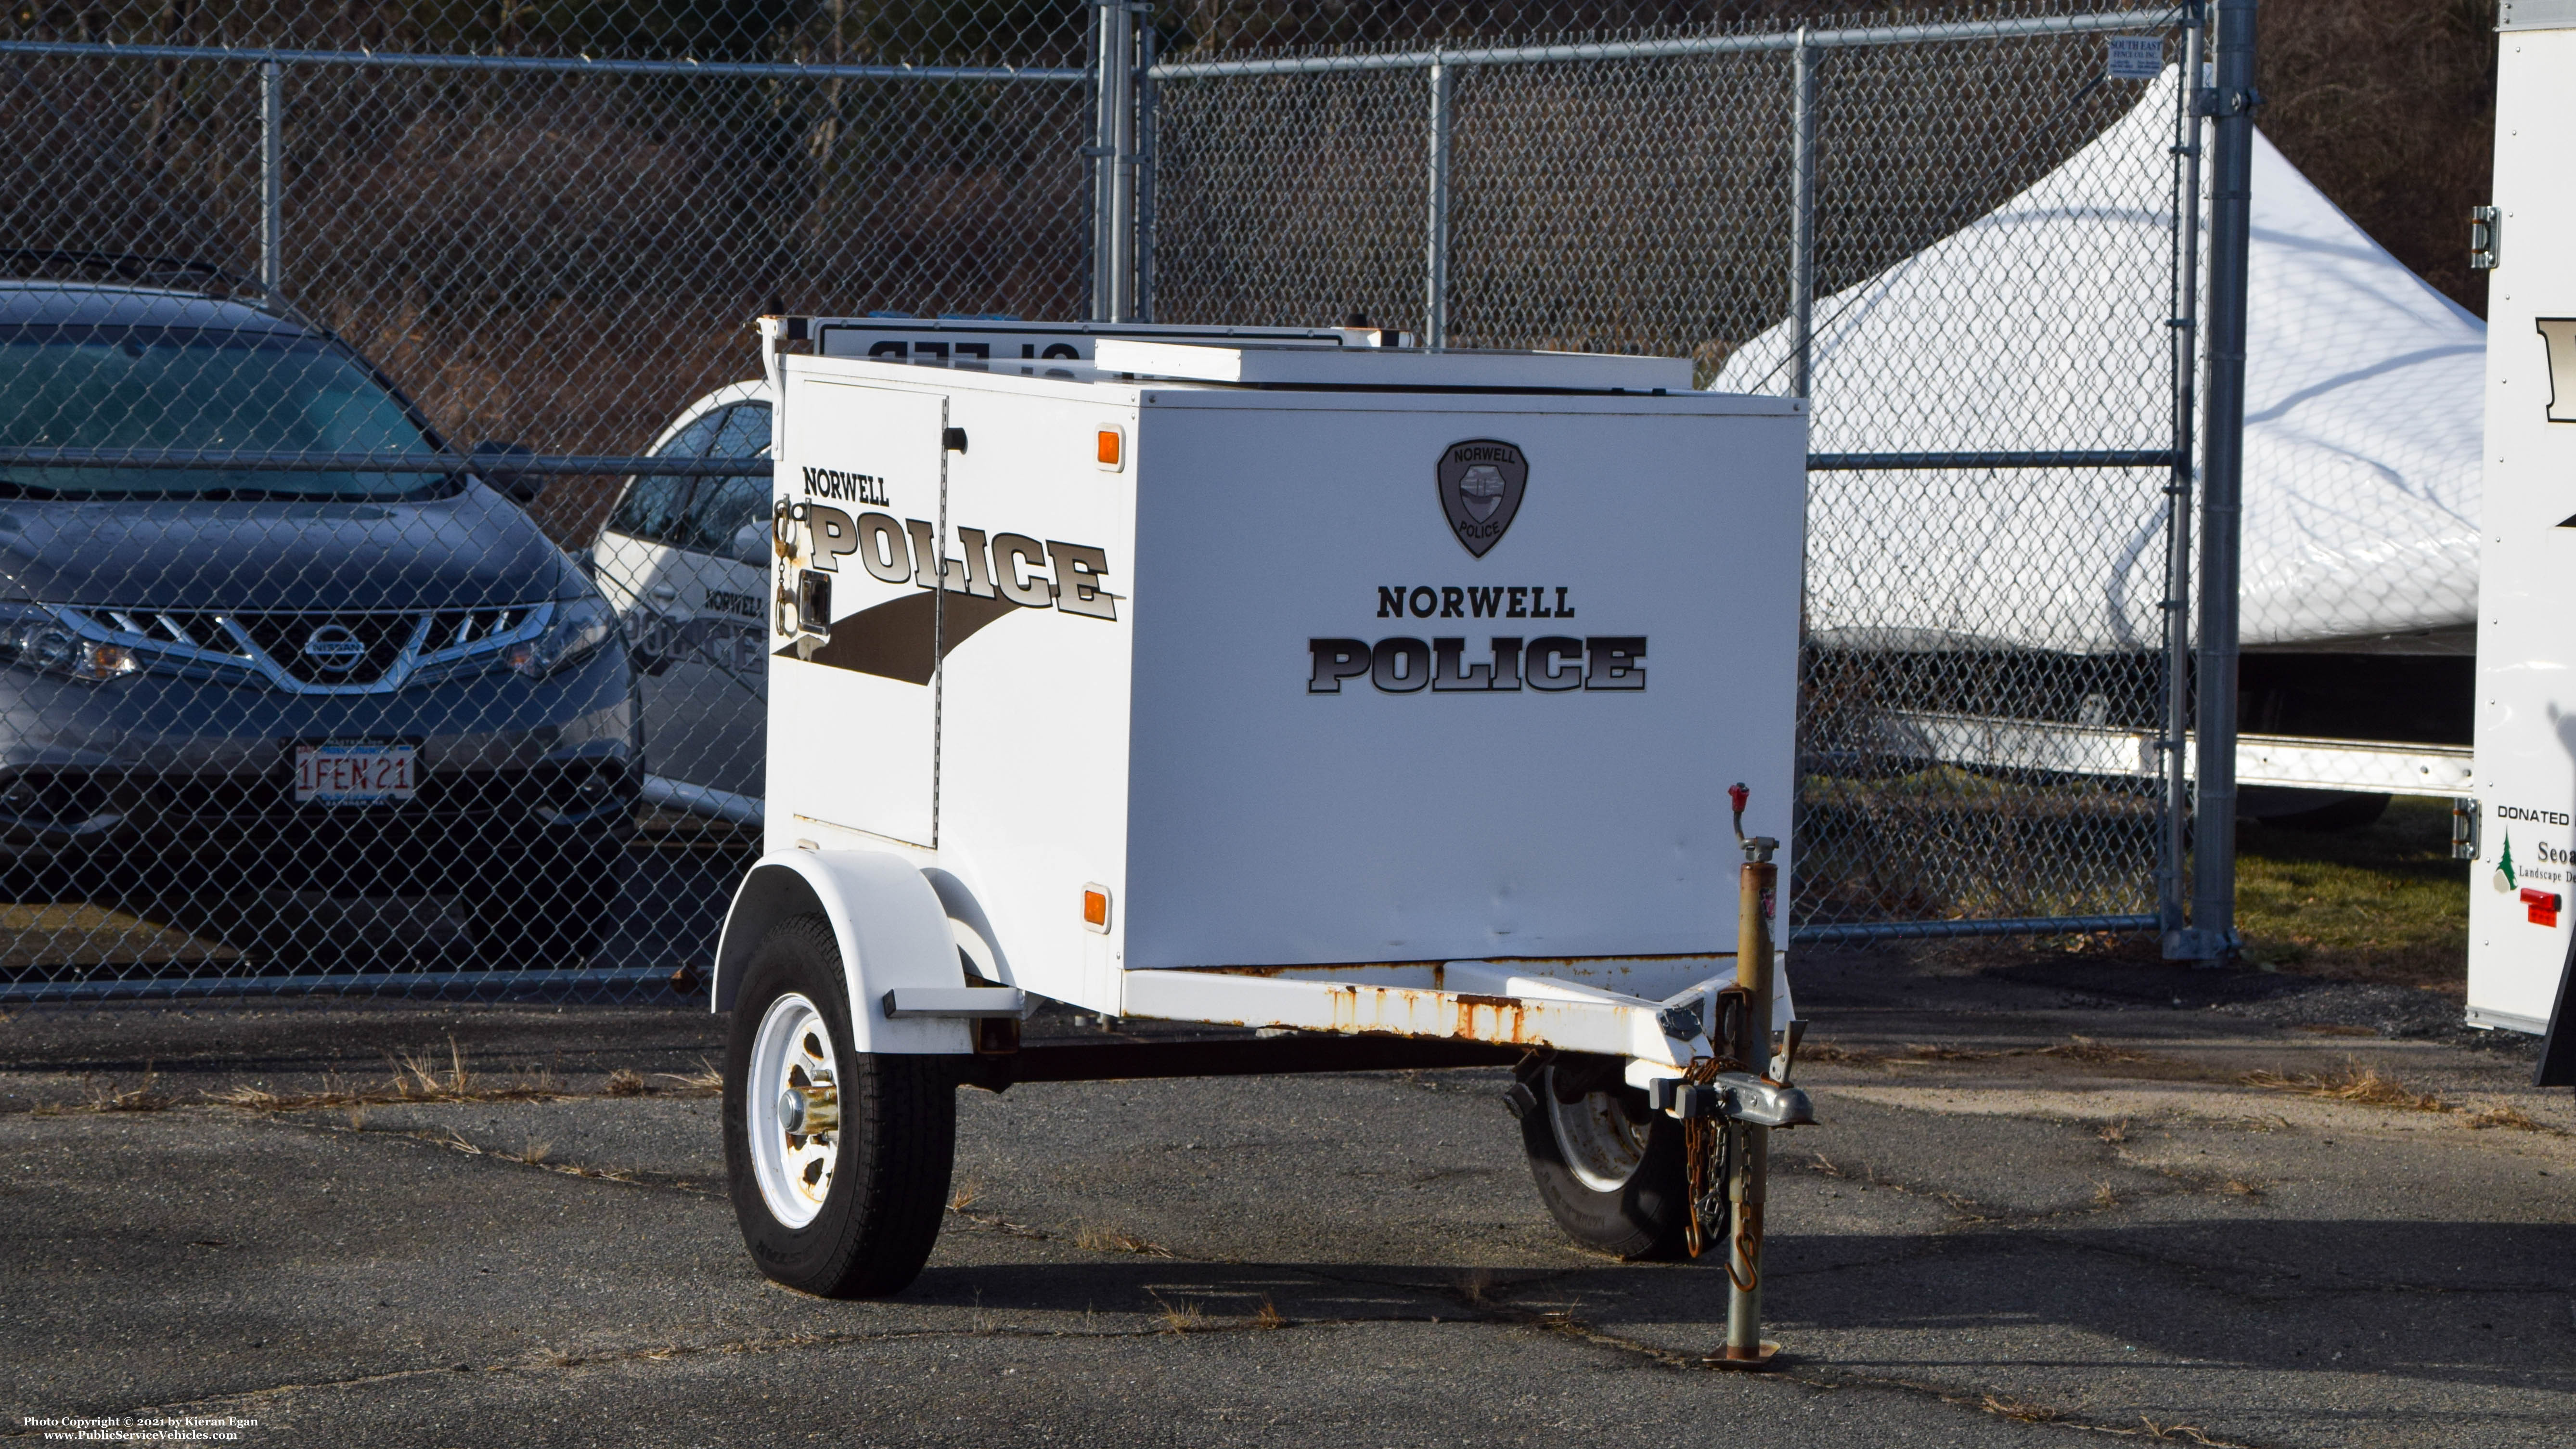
[[2047, 1197]]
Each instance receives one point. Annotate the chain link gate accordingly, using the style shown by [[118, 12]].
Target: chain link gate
[[1986, 749], [296, 706]]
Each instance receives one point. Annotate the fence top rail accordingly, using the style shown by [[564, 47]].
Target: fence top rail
[[2003, 28], [575, 464], [1994, 459], [559, 65]]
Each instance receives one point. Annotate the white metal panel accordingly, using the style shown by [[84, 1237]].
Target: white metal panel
[[1274, 824], [967, 342], [2386, 766], [1564, 1022], [1273, 365], [2536, 14], [1033, 752], [856, 724], [2526, 727], [2396, 769]]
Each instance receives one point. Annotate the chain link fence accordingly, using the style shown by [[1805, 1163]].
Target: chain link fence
[[1988, 746], [381, 491]]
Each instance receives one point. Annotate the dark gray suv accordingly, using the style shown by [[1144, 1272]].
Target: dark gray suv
[[255, 679]]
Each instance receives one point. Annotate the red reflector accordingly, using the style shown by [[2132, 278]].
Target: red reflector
[[2543, 906]]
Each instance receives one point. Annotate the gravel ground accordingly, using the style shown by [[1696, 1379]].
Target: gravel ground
[[2048, 1195]]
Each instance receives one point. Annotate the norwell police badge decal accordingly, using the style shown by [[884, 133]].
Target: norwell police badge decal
[[1481, 482]]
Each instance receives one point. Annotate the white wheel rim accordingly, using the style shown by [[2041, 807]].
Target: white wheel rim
[[793, 1049], [1601, 1144]]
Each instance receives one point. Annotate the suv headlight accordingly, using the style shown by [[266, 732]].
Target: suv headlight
[[34, 637], [578, 627]]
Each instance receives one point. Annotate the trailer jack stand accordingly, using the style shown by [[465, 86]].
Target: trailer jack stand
[[1748, 1155], [1745, 1346]]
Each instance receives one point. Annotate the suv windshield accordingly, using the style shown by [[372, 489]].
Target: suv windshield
[[189, 388]]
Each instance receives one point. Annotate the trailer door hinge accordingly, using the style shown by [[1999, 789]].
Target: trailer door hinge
[[2464, 829], [2482, 238]]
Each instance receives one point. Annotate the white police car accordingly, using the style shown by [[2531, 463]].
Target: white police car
[[685, 563]]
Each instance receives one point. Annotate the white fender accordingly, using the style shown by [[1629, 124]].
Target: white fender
[[891, 926]]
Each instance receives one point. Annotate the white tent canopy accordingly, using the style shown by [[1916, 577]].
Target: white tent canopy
[[2040, 326]]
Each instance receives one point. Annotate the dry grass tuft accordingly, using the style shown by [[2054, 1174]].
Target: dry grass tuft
[[1269, 1316], [2086, 1049], [138, 1099], [706, 1081], [1812, 1050], [625, 1082], [534, 1152], [2244, 1187], [2193, 1432], [2020, 1411], [414, 1077], [1182, 1317], [1472, 1284], [2113, 1131], [2104, 1197], [2353, 1082], [1100, 1239], [1922, 1052], [2513, 1118], [964, 1194], [103, 1097], [421, 1077]]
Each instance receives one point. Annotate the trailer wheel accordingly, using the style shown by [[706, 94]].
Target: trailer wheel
[[850, 1206], [1608, 1167]]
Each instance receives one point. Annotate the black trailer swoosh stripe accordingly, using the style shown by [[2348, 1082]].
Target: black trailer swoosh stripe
[[893, 640]]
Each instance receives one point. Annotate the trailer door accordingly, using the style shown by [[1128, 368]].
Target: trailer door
[[862, 705]]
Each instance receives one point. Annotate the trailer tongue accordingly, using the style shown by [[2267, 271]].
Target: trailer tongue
[[1270, 680]]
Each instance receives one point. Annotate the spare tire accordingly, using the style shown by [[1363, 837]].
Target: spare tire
[[1608, 1166]]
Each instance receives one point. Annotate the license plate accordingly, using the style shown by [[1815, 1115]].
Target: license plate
[[355, 774]]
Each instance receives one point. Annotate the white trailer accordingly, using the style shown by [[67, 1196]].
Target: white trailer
[[1283, 682], [2520, 924]]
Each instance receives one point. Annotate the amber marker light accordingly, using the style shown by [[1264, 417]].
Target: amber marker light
[[1113, 448], [1095, 907]]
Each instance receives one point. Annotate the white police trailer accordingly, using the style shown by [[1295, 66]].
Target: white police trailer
[[1273, 681], [2522, 929]]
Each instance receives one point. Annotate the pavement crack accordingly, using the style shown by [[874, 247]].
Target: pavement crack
[[560, 1362], [457, 1142]]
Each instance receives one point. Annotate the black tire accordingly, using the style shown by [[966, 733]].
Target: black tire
[[1644, 1216], [897, 1143], [551, 909]]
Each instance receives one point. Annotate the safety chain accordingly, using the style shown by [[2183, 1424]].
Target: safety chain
[[1705, 1145]]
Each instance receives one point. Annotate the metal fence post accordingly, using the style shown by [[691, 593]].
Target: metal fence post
[[1802, 214], [1148, 92], [2231, 102], [2175, 848], [1435, 286], [1113, 235], [272, 176]]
